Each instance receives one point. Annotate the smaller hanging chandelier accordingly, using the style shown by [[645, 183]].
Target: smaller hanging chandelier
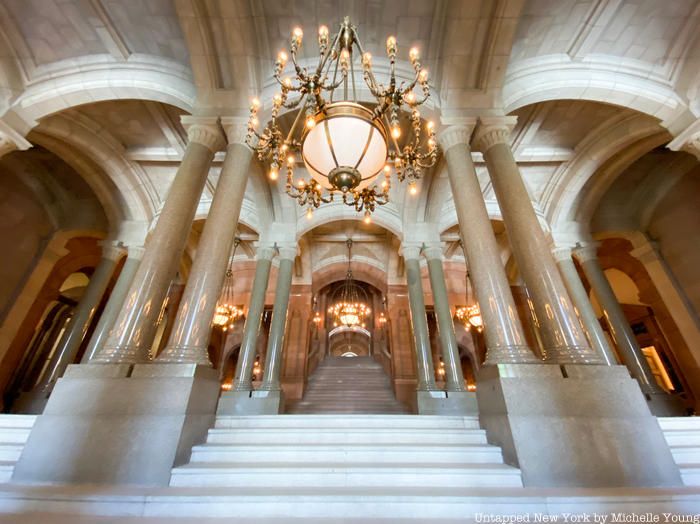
[[344, 144], [350, 308], [470, 315], [226, 312]]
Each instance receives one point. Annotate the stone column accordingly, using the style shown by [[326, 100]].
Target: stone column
[[562, 337], [114, 303], [454, 379], [275, 344], [503, 332], [419, 322], [133, 332], [583, 305], [72, 337], [192, 328], [617, 322], [242, 380]]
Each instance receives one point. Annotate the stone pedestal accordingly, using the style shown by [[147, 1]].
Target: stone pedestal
[[574, 426], [120, 424], [447, 403], [251, 403]]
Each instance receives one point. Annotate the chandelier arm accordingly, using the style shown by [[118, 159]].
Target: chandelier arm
[[296, 120], [327, 54]]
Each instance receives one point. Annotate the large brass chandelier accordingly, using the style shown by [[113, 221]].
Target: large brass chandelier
[[343, 144], [349, 307]]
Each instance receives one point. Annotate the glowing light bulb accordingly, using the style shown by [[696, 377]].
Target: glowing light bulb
[[391, 44], [410, 97], [367, 59], [274, 173], [309, 213], [277, 99], [423, 75], [282, 57], [255, 103], [284, 147], [310, 121], [396, 131], [298, 34], [412, 188], [323, 32], [287, 82], [385, 184], [301, 183], [430, 125], [367, 218], [254, 122], [387, 169], [291, 160], [414, 54]]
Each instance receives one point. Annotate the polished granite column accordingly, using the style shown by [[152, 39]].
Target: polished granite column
[[275, 342], [503, 332], [114, 303], [563, 339], [191, 331], [243, 379], [135, 327], [454, 380], [620, 329], [72, 338], [419, 322], [583, 305]]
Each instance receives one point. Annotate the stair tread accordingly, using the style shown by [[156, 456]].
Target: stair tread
[[331, 467]]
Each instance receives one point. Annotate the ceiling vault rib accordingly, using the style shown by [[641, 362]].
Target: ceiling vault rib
[[109, 34]]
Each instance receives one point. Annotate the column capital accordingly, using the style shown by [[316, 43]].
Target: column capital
[[410, 251], [235, 128], [11, 139], [112, 250], [433, 252], [205, 131], [587, 252], [493, 130], [287, 252], [135, 252], [456, 134], [264, 252], [561, 253]]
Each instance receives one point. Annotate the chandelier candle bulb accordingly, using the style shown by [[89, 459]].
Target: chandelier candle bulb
[[414, 54], [412, 188], [274, 173]]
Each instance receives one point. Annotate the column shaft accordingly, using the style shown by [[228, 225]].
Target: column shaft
[[190, 335], [588, 317], [135, 327], [503, 332], [114, 303], [454, 379], [72, 337], [617, 322], [278, 324], [242, 380], [419, 322], [562, 338]]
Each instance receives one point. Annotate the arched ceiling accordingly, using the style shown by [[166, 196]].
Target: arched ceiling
[[595, 84]]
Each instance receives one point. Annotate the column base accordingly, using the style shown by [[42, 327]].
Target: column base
[[447, 403], [574, 426], [258, 402], [120, 424]]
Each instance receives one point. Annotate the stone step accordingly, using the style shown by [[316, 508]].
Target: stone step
[[10, 452], [350, 453], [690, 473], [355, 422], [681, 437], [14, 435], [17, 421], [670, 423], [686, 454], [347, 436], [341, 475]]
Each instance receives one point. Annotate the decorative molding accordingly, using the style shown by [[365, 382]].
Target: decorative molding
[[587, 252], [235, 128], [561, 254], [410, 251], [264, 252], [433, 253], [287, 252]]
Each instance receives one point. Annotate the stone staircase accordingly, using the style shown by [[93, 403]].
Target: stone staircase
[[348, 385], [359, 452], [683, 437], [14, 432]]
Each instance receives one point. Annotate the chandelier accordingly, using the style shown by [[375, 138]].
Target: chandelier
[[350, 308], [470, 315], [343, 144], [226, 312]]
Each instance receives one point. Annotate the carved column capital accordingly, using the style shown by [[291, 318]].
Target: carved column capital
[[112, 250], [587, 252], [235, 128], [492, 131], [287, 252], [6, 146], [561, 253], [455, 135], [205, 131], [410, 251], [433, 252], [264, 252]]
